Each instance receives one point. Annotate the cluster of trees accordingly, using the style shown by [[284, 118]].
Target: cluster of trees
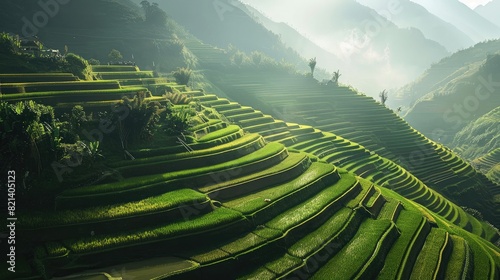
[[24, 62], [33, 141], [154, 14]]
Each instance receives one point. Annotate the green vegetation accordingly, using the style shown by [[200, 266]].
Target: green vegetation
[[115, 55], [149, 205], [182, 75], [431, 256], [301, 212], [353, 256], [479, 137], [29, 136], [301, 186], [145, 181], [218, 217]]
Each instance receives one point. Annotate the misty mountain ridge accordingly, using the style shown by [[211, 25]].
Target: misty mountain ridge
[[367, 44], [490, 11], [413, 15], [462, 17]]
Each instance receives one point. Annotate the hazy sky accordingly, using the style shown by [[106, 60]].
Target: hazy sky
[[474, 3]]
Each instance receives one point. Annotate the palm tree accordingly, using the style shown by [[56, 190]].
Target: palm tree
[[312, 65], [383, 96], [335, 78]]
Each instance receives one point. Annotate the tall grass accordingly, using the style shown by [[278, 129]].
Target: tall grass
[[353, 256], [162, 202], [104, 242]]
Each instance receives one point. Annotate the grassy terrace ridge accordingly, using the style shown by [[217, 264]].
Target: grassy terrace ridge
[[219, 133], [255, 201], [235, 145], [313, 205], [352, 258], [378, 129], [294, 214], [266, 151], [342, 152], [165, 201], [294, 162], [400, 258], [30, 87], [429, 260], [218, 217], [459, 265], [114, 68], [37, 77], [74, 93]]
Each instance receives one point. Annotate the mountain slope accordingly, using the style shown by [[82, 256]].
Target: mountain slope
[[238, 204], [347, 114], [462, 17], [93, 28], [222, 24], [413, 15], [479, 137], [293, 39], [490, 11], [472, 92], [489, 164], [368, 45], [441, 73]]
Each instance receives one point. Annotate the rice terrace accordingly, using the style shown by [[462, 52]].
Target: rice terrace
[[224, 139]]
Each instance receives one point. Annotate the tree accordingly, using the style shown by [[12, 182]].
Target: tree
[[8, 44], [29, 137], [238, 58], [383, 96], [256, 57], [312, 65], [154, 14], [115, 55], [182, 75], [78, 66], [142, 121], [335, 78]]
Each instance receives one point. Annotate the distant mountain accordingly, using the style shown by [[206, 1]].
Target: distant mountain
[[292, 38], [490, 11], [92, 28], [479, 137], [462, 17], [469, 93], [443, 72], [375, 54], [221, 23], [411, 14]]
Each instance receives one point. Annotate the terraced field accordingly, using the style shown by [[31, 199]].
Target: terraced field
[[490, 165], [257, 198], [361, 120], [352, 156]]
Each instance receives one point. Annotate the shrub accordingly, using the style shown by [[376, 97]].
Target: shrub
[[178, 98], [115, 55], [142, 119], [94, 61], [182, 75], [78, 66], [178, 121], [29, 137]]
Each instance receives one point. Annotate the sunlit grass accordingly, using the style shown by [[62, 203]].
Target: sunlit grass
[[102, 213], [216, 218]]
